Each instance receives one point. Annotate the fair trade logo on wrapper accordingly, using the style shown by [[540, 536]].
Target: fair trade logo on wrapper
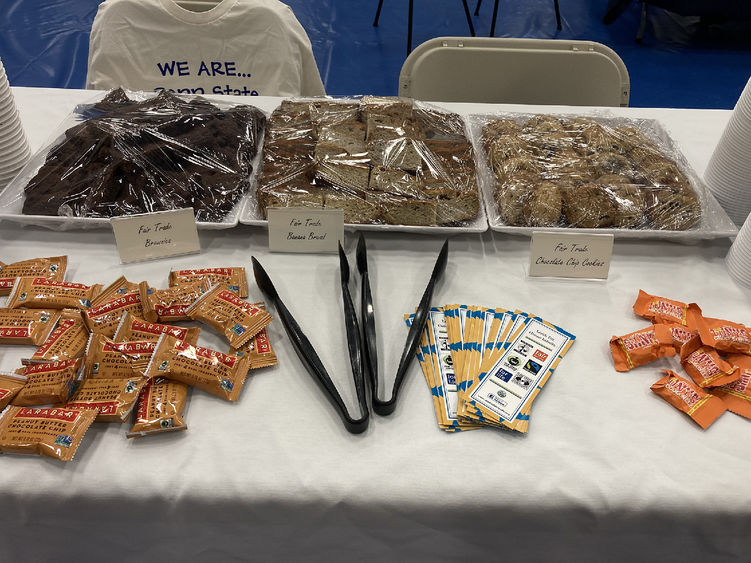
[[293, 229], [570, 255], [149, 236]]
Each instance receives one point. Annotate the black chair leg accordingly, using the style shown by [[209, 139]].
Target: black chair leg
[[469, 18], [477, 8], [557, 14], [409, 28], [642, 23], [378, 13], [492, 22]]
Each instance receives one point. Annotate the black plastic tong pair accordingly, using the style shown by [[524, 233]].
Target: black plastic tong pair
[[362, 347]]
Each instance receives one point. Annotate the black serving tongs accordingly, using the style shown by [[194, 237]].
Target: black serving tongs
[[307, 353], [413, 336]]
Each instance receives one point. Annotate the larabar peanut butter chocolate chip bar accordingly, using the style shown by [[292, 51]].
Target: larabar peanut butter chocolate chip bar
[[10, 385], [49, 383], [67, 341], [132, 328], [108, 359], [160, 408], [50, 268], [41, 293], [233, 278], [104, 316], [641, 347], [169, 305], [113, 399], [27, 326], [238, 320], [52, 432], [214, 372], [703, 407]]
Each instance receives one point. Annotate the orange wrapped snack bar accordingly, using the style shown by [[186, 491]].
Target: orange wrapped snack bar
[[117, 299], [133, 328], [681, 335], [26, 326], [169, 305], [705, 366], [238, 320], [737, 394], [108, 359], [234, 279], [51, 268], [725, 336], [10, 384], [112, 399], [67, 341], [214, 372], [663, 310], [54, 432], [258, 350], [160, 408], [41, 293], [641, 347], [703, 407], [49, 383]]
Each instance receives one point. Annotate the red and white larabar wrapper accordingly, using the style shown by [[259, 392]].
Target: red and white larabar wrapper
[[737, 394], [238, 320], [108, 359], [234, 279], [217, 373], [49, 383], [67, 341], [113, 399], [170, 305], [10, 385], [117, 299], [51, 268], [160, 408], [133, 328], [53, 432], [43, 293], [27, 326], [121, 286], [703, 407], [258, 349]]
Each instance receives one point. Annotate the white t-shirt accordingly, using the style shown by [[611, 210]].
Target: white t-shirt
[[243, 47]]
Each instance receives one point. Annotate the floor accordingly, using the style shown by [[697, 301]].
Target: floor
[[680, 63]]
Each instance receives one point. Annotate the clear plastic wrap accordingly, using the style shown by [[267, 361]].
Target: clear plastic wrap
[[134, 152], [383, 160], [609, 174]]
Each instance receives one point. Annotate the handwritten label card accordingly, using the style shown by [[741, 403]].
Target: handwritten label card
[[156, 235], [301, 229], [564, 255]]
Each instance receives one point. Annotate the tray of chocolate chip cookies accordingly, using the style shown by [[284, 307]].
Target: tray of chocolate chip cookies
[[602, 174]]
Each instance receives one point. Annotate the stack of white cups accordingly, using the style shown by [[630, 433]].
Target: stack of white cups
[[738, 259], [728, 173], [14, 147]]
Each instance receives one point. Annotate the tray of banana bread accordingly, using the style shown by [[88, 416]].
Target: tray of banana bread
[[389, 163], [127, 153], [595, 173]]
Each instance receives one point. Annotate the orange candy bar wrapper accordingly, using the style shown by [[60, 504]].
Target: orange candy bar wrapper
[[641, 347], [737, 394], [27, 326], [108, 359], [705, 366], [53, 432], [663, 310], [41, 293], [116, 300], [214, 372], [681, 335], [725, 336], [234, 278], [67, 341], [10, 385], [169, 305], [50, 268], [160, 408], [133, 328], [48, 383], [112, 399], [703, 407], [238, 320]]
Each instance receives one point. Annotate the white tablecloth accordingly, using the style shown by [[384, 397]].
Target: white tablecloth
[[608, 470]]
